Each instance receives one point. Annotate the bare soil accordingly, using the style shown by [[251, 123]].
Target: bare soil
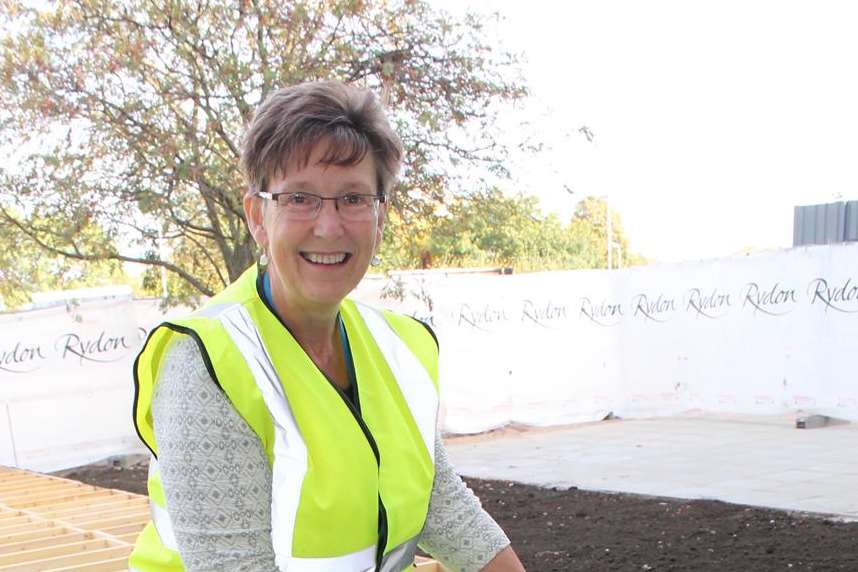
[[566, 530]]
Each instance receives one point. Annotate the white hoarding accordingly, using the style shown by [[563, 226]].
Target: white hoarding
[[767, 333], [66, 389]]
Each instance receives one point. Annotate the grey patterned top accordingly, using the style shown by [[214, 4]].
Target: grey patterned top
[[217, 482]]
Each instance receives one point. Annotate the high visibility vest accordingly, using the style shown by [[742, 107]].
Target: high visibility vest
[[350, 489]]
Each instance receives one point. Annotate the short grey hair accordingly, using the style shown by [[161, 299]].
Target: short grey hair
[[292, 121]]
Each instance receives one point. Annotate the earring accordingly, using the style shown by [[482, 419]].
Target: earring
[[375, 260], [263, 260]]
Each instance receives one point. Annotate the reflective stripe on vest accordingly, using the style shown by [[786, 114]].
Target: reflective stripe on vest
[[290, 451], [160, 517], [414, 382]]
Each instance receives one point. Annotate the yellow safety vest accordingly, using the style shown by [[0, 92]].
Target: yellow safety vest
[[350, 490]]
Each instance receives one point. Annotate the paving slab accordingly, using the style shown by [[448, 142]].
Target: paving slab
[[759, 461]]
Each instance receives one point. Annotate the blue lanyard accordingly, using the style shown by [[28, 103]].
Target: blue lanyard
[[344, 339]]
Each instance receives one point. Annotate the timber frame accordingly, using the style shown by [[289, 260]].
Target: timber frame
[[51, 524], [54, 524]]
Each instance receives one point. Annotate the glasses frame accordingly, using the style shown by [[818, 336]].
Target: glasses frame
[[275, 198]]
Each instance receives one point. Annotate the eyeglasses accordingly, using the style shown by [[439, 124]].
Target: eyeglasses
[[355, 207]]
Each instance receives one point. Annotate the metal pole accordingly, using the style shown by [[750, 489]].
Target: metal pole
[[12, 437], [610, 233], [164, 291], [162, 253]]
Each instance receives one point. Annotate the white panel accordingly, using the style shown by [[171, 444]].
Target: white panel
[[66, 385], [767, 333], [53, 434]]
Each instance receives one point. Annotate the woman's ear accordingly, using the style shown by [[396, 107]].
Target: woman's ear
[[254, 213]]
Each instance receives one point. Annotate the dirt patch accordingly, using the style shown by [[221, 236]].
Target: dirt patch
[[562, 530], [565, 530], [130, 477]]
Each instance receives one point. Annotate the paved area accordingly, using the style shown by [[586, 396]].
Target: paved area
[[761, 461]]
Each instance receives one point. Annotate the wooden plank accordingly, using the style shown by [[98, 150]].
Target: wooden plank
[[87, 517], [43, 484], [87, 559], [6, 482], [125, 529], [4, 522], [33, 535], [17, 482], [61, 497], [39, 484], [36, 493], [46, 541], [22, 489], [140, 520], [130, 538], [115, 565], [15, 477], [36, 480], [105, 504], [73, 500], [45, 552], [21, 475], [24, 526], [8, 513]]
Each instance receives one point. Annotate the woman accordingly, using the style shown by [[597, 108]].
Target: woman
[[292, 429]]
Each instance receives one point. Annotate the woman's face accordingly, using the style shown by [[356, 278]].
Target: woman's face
[[314, 264]]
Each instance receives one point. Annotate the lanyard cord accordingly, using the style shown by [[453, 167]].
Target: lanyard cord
[[351, 392], [347, 356]]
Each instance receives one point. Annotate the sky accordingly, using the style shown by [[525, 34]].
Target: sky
[[710, 120]]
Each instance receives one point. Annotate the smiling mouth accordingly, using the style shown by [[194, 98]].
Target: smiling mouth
[[326, 259]]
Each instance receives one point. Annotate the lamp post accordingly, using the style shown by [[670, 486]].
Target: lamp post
[[609, 225], [610, 230], [162, 253]]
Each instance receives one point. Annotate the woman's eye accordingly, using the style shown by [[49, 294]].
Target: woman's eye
[[297, 199], [352, 200]]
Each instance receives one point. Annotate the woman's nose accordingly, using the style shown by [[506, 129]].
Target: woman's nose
[[328, 222]]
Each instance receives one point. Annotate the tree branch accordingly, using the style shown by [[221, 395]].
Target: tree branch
[[77, 255]]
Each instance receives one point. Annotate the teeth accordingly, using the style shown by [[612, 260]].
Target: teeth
[[325, 258]]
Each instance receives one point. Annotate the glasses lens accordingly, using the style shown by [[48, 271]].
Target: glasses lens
[[300, 205], [306, 206], [356, 207]]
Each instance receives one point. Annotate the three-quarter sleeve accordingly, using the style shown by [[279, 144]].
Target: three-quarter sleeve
[[458, 532], [216, 477]]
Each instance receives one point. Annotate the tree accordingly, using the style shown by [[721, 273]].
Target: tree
[[492, 228], [489, 228], [25, 269], [130, 114], [589, 226]]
